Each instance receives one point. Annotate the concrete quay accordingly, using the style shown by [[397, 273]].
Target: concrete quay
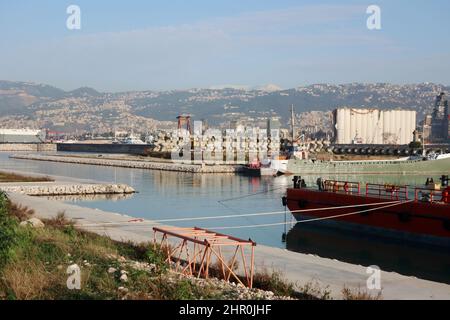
[[128, 163], [296, 267]]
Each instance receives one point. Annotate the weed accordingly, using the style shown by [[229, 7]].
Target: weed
[[273, 281], [358, 294]]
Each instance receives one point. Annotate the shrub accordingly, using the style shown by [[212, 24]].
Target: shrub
[[358, 294], [8, 229], [313, 291], [415, 145], [274, 282]]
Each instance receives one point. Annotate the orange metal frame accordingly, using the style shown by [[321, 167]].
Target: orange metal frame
[[193, 251]]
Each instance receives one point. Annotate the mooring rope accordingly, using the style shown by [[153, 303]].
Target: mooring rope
[[154, 222], [309, 220], [253, 194]]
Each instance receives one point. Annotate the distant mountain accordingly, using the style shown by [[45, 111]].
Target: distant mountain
[[15, 97], [84, 92], [269, 88], [23, 103], [32, 89]]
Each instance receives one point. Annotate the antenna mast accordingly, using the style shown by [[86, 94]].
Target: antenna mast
[[293, 124]]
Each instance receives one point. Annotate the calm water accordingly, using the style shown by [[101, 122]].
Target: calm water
[[165, 195]]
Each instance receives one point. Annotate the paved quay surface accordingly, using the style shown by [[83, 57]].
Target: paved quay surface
[[295, 267], [138, 163]]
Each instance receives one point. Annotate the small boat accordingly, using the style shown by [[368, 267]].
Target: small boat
[[255, 169], [267, 167], [420, 214]]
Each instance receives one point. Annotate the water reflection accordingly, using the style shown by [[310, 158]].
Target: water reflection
[[404, 258]]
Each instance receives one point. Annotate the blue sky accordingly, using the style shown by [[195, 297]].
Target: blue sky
[[173, 44]]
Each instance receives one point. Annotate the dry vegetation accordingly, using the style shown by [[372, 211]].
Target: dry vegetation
[[12, 177], [359, 294]]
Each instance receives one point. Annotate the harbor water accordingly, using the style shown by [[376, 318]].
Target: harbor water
[[173, 195]]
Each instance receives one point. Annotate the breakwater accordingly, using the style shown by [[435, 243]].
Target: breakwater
[[136, 149], [135, 164], [52, 189]]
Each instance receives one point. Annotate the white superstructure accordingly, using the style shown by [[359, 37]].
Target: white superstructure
[[22, 136], [133, 139], [373, 126]]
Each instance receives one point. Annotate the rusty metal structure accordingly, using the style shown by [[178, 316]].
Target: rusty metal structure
[[195, 251], [182, 119]]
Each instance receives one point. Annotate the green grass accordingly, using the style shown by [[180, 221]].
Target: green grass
[[33, 264], [8, 228]]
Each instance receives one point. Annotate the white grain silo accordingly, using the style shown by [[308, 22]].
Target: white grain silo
[[373, 126]]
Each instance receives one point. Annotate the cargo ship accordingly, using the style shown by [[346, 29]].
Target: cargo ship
[[419, 214], [431, 164]]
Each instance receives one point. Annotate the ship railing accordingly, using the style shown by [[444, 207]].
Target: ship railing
[[387, 191], [342, 187], [423, 194]]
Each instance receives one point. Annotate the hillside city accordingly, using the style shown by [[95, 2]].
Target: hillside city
[[37, 106]]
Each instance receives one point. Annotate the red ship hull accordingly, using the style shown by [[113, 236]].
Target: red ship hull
[[413, 220]]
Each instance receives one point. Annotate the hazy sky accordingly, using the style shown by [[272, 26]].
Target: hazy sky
[[174, 44]]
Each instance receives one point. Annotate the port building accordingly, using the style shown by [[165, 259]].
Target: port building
[[374, 126]]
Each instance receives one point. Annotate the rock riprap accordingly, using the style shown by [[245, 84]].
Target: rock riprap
[[51, 189]]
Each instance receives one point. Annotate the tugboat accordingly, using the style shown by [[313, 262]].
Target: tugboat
[[420, 214], [268, 167], [253, 169]]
